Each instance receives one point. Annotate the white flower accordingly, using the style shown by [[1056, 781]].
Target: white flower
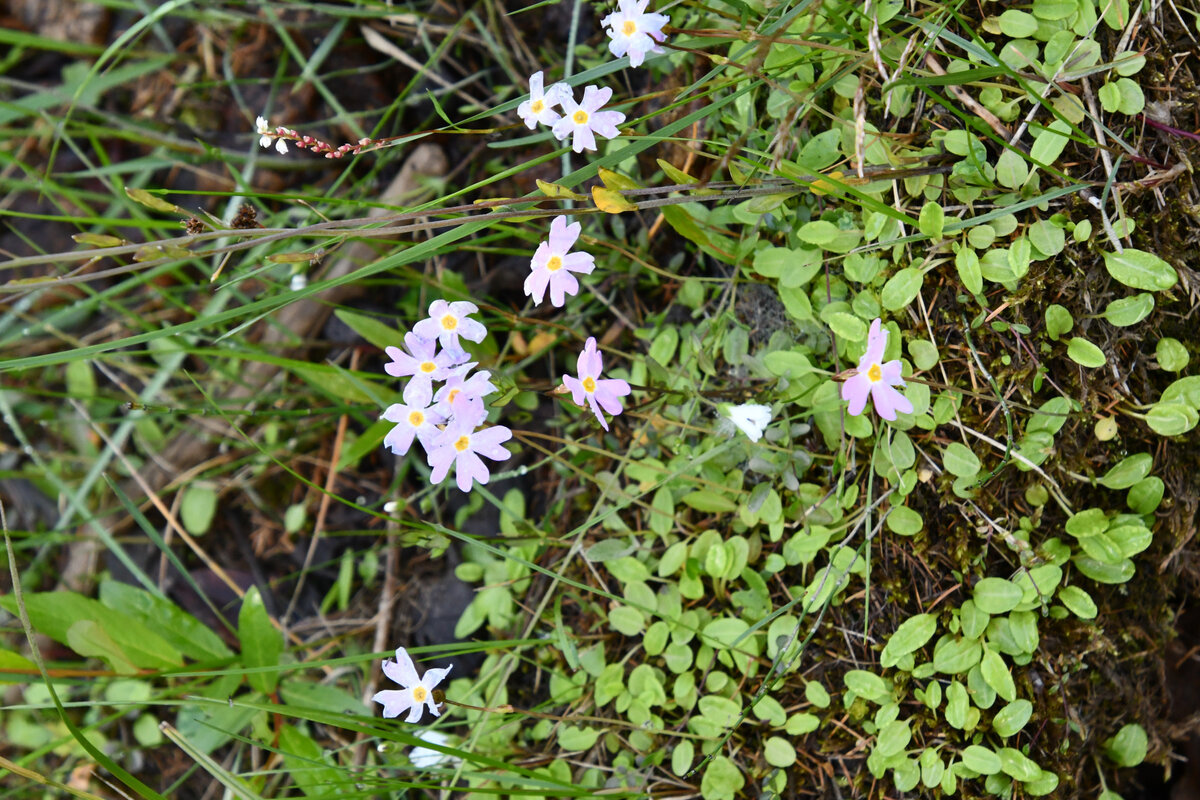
[[631, 30], [427, 757], [541, 104], [416, 694], [586, 117], [266, 135], [751, 418]]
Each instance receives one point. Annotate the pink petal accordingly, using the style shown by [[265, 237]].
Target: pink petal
[[435, 676], [562, 235], [562, 283], [536, 82], [440, 460], [577, 391], [535, 284], [594, 97], [488, 442], [399, 438], [596, 410], [470, 467], [562, 129], [471, 330], [402, 670], [584, 139], [582, 263], [605, 123], [876, 343], [394, 702], [891, 373], [542, 255], [855, 390]]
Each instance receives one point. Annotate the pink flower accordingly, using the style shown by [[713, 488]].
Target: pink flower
[[411, 420], [461, 399], [553, 264], [586, 118], [599, 394], [540, 105], [461, 445], [448, 321], [416, 694], [631, 30], [423, 365], [875, 378]]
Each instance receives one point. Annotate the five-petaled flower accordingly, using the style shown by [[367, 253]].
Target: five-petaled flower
[[461, 445], [266, 135], [424, 365], [751, 418], [416, 694], [448, 321], [411, 420], [553, 264], [541, 103], [631, 30], [584, 119], [876, 378], [461, 398], [588, 387]]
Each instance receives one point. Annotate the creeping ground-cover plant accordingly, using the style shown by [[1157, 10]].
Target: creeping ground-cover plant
[[634, 398]]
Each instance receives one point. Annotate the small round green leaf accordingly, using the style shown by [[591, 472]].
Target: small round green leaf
[[1128, 471], [1171, 419], [1084, 353], [1140, 270], [1128, 311], [1128, 747], [960, 461], [997, 595], [197, 508], [981, 759], [1012, 718], [1078, 602], [779, 752], [1171, 354]]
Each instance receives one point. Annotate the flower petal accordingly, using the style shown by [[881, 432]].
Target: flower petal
[[402, 670], [394, 702]]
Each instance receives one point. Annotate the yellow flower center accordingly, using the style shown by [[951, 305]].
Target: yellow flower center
[[463, 443], [537, 106], [589, 385], [428, 366], [554, 264], [875, 373], [419, 694], [453, 394], [416, 418], [629, 28], [449, 322], [580, 117]]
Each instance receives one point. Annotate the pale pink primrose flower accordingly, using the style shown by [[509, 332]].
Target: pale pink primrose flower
[[598, 393], [425, 365], [631, 30], [448, 321], [460, 446], [877, 379], [416, 694], [541, 104], [411, 420], [461, 398], [266, 135], [586, 118], [553, 264]]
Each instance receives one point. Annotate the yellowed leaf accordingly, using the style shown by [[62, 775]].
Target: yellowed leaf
[[610, 202], [557, 191]]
